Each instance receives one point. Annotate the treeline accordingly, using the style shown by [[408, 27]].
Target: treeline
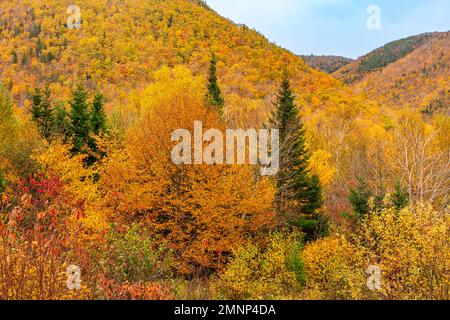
[[85, 121], [299, 195]]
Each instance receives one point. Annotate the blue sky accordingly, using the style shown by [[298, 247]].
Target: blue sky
[[335, 27]]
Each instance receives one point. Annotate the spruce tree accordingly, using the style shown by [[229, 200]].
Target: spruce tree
[[79, 119], [14, 58], [359, 198], [298, 194], [42, 112], [47, 116], [399, 198], [62, 122], [7, 122], [98, 117], [36, 105], [214, 95], [98, 127]]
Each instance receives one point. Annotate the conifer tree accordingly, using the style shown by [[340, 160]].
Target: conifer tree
[[399, 197], [98, 127], [359, 197], [36, 105], [42, 112], [7, 122], [98, 117], [47, 116], [62, 122], [14, 58], [299, 194], [214, 95], [79, 119]]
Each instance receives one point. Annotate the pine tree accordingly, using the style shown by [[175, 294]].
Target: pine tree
[[299, 194], [98, 117], [359, 198], [214, 95], [79, 119]]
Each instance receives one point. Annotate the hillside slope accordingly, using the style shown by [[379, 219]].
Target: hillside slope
[[328, 64], [122, 43], [413, 72]]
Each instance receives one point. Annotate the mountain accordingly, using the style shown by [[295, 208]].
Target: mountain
[[328, 64], [382, 57], [122, 43], [412, 72]]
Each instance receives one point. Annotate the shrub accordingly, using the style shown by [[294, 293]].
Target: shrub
[[412, 249], [131, 256], [334, 268], [272, 272]]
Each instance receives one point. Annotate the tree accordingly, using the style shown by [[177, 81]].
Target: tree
[[47, 116], [214, 96], [62, 122], [14, 58], [79, 119], [42, 112], [98, 126], [399, 198], [359, 198], [7, 123], [98, 117], [299, 195], [36, 105]]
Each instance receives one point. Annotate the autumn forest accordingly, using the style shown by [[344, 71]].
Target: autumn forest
[[92, 205]]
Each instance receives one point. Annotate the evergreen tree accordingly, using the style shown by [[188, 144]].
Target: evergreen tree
[[42, 112], [3, 183], [98, 126], [299, 195], [7, 122], [359, 198], [24, 60], [36, 105], [98, 117], [14, 58], [79, 119], [6, 106], [62, 122], [214, 95], [399, 197], [47, 116]]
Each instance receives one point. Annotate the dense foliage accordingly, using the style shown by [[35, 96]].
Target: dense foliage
[[87, 180]]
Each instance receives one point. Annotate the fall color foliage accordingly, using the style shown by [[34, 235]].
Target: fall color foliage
[[87, 179]]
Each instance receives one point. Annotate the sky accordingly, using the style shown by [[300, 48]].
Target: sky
[[336, 27]]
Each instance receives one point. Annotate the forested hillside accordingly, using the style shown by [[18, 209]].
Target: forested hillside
[[88, 186], [409, 73], [328, 64]]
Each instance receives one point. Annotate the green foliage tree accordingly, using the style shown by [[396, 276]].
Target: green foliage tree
[[298, 195], [98, 117], [62, 121], [42, 112], [80, 126], [359, 197], [7, 122], [214, 95], [14, 58], [399, 198]]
